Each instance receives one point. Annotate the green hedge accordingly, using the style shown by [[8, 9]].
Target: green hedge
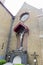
[[2, 62]]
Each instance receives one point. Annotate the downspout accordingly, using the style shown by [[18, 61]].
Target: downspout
[[9, 36]]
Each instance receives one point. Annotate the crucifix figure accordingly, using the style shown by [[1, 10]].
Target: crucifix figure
[[21, 39], [21, 34], [35, 58], [20, 30]]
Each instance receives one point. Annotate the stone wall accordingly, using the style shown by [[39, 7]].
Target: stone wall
[[5, 21]]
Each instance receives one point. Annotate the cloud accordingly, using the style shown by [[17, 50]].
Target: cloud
[[14, 5]]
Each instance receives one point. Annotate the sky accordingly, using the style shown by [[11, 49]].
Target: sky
[[14, 5]]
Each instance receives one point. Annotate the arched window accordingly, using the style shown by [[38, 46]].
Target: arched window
[[24, 16]]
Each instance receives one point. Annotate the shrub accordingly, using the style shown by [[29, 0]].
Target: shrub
[[2, 62]]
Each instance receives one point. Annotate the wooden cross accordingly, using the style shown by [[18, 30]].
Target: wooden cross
[[35, 58]]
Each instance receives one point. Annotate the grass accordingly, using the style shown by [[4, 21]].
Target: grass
[[18, 64]]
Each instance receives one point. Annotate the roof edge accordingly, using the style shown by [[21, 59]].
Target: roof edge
[[29, 5], [7, 9]]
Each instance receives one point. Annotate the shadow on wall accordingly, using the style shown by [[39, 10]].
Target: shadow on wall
[[2, 57]]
